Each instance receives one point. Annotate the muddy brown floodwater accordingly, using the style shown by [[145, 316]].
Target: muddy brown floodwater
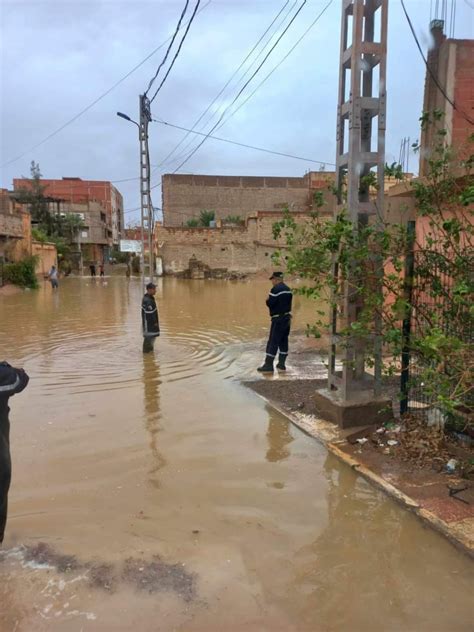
[[157, 493]]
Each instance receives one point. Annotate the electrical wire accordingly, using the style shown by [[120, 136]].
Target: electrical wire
[[243, 88], [432, 74], [163, 61], [196, 123], [240, 81], [234, 142], [196, 7], [313, 23], [91, 105]]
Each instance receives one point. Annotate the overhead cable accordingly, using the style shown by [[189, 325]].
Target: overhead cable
[[244, 86], [225, 85], [196, 7], [234, 142], [432, 74], [313, 23], [163, 61], [91, 105]]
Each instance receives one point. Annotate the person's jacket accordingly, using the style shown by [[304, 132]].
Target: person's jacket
[[279, 300], [12, 381], [150, 319]]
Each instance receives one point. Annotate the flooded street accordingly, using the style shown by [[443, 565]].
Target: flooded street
[[156, 493]]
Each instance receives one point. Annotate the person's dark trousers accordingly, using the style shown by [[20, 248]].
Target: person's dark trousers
[[5, 464], [148, 344], [278, 338]]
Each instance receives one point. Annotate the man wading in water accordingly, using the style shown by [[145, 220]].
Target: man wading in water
[[279, 304], [11, 381], [150, 321]]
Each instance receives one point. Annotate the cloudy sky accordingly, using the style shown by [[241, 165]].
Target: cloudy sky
[[60, 56]]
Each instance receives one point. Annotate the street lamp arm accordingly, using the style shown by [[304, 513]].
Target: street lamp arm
[[127, 118]]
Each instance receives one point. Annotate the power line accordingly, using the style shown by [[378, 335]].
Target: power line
[[163, 61], [99, 98], [233, 142], [179, 49], [226, 84], [243, 88], [315, 21], [433, 76]]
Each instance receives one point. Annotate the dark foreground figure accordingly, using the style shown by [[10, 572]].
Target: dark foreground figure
[[150, 319], [12, 381], [279, 304]]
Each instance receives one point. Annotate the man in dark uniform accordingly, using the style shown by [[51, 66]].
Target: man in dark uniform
[[11, 381], [279, 304], [150, 320]]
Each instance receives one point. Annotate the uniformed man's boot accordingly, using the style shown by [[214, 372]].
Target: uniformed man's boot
[[267, 366], [281, 366]]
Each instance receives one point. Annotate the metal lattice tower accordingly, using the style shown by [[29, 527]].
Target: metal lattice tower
[[145, 197], [360, 150]]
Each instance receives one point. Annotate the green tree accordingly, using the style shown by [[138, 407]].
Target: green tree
[[33, 196], [441, 344]]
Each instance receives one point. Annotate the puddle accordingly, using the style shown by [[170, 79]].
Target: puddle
[[156, 493]]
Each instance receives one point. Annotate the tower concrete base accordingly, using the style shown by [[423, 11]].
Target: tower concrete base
[[362, 410]]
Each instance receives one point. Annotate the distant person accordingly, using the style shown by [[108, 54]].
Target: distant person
[[92, 269], [101, 270], [12, 381], [150, 319], [279, 304], [53, 277], [128, 271]]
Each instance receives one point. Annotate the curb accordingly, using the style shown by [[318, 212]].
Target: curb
[[460, 540]]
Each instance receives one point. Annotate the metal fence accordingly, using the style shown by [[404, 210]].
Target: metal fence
[[434, 308]]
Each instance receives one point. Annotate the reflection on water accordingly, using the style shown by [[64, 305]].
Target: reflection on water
[[278, 437], [151, 383], [120, 456]]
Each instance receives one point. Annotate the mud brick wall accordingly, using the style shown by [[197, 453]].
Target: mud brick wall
[[185, 196], [241, 249]]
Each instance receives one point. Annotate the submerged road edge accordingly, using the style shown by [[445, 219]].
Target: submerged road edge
[[326, 433]]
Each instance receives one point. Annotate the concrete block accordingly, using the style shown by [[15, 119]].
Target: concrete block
[[363, 410]]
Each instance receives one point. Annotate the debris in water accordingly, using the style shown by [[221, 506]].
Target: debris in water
[[362, 440], [156, 576], [392, 442], [451, 465]]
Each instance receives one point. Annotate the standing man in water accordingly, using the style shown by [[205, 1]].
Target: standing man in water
[[12, 381], [53, 277], [279, 304], [150, 320]]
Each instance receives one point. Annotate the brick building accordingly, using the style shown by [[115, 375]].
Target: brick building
[[258, 201], [452, 63], [185, 196], [89, 194]]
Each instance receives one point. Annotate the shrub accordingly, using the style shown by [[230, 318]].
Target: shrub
[[206, 217], [234, 219], [192, 223], [22, 273]]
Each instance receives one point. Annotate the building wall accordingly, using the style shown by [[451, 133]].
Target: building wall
[[15, 229], [185, 196], [452, 62], [241, 249], [47, 257]]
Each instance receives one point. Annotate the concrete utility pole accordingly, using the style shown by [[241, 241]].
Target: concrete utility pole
[[353, 395], [147, 219]]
